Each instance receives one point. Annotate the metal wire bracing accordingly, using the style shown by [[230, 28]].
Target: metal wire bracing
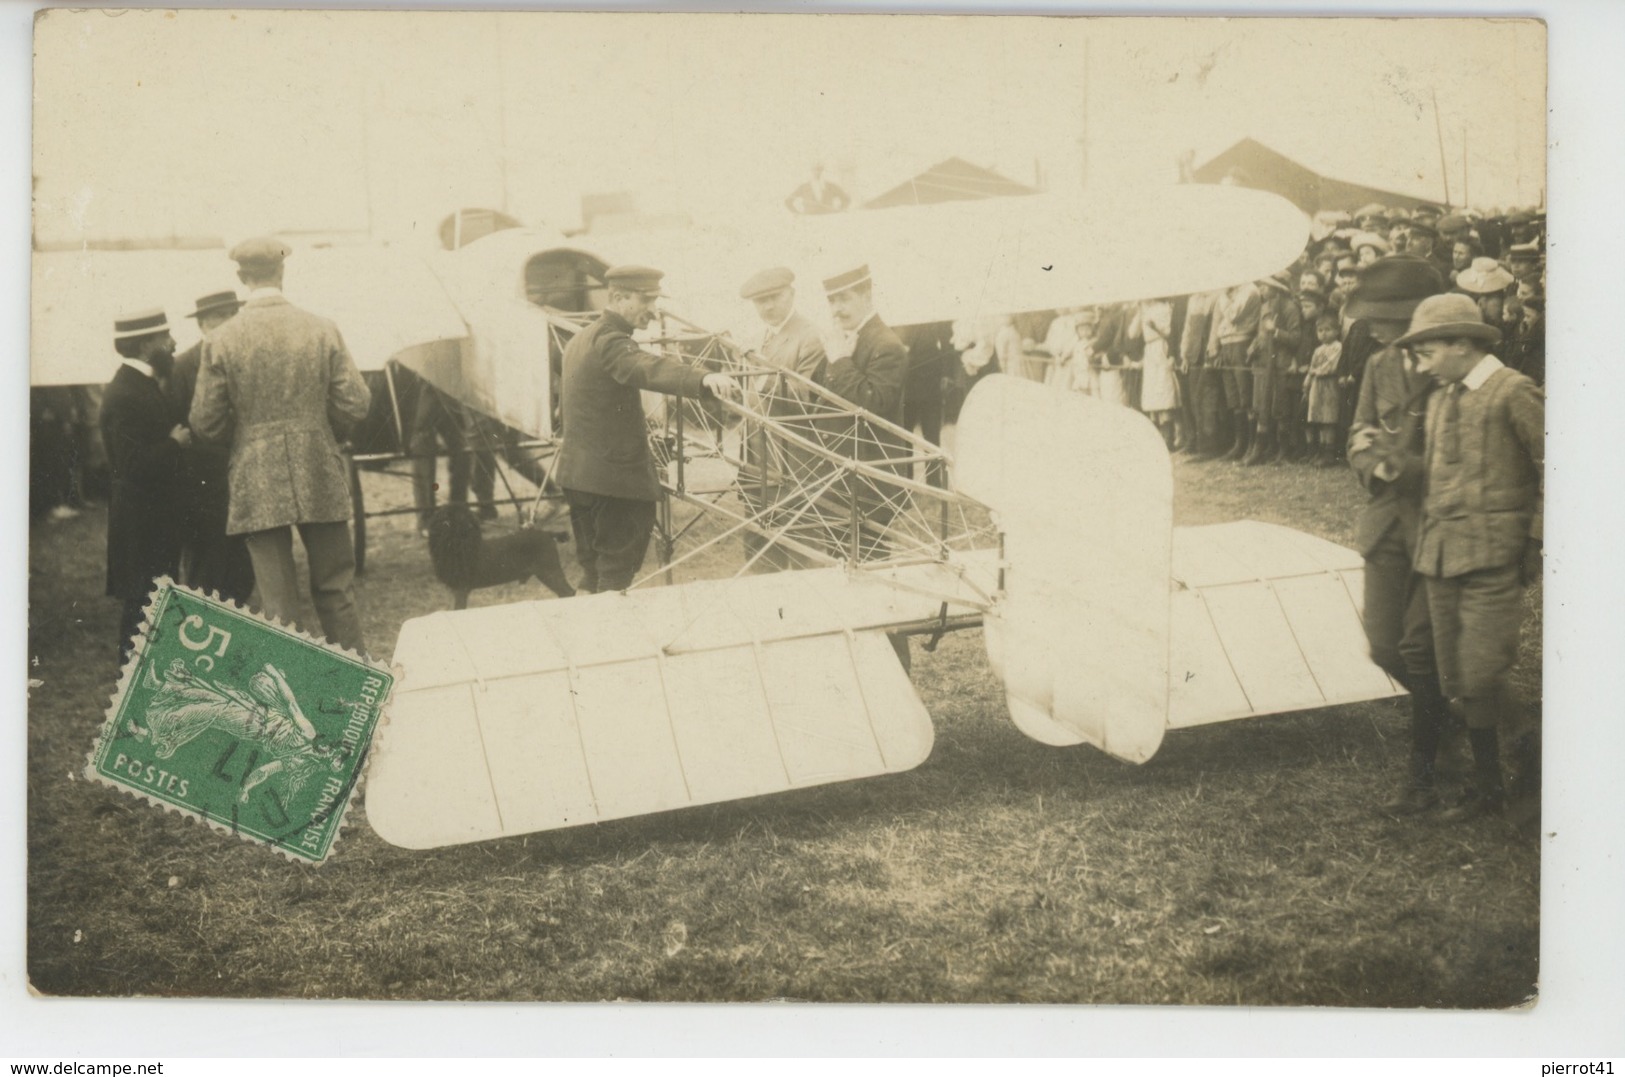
[[818, 480]]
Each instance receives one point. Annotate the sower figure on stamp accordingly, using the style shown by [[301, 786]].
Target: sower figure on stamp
[[211, 560], [605, 466], [1480, 539], [1385, 450], [280, 384], [144, 434]]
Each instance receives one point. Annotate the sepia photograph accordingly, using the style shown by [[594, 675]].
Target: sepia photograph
[[839, 508]]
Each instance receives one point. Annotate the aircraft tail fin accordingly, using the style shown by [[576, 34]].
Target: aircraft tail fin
[[1083, 493]]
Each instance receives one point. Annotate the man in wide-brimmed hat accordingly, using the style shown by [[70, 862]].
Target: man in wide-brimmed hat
[[1487, 282], [144, 434], [1372, 217], [1480, 537], [211, 560], [1385, 451]]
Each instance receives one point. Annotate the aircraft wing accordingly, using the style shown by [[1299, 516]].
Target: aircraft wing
[[1265, 619], [537, 715], [385, 301], [970, 259]]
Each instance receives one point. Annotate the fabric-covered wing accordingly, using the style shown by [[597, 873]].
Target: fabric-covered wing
[[970, 259], [537, 715], [384, 301], [1265, 619]]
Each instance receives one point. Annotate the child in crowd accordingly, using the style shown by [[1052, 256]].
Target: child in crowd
[[1323, 390]]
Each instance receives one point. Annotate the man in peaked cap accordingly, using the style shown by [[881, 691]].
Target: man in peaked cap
[[211, 560], [279, 384], [872, 376], [789, 342], [1479, 542], [605, 466], [1385, 451], [1523, 259], [144, 434]]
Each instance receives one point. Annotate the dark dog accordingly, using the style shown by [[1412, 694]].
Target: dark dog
[[465, 559]]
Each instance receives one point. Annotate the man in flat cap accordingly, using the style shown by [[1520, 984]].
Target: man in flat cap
[[1385, 451], [144, 434], [211, 560], [792, 343], [279, 384], [605, 467], [1479, 543]]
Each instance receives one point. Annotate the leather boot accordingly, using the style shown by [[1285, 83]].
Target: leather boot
[[1417, 794], [1420, 792], [1487, 797], [1262, 446], [1244, 440]]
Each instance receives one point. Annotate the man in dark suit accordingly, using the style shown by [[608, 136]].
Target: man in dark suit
[[144, 435], [605, 467], [279, 383], [1385, 450], [872, 378], [211, 560], [931, 359]]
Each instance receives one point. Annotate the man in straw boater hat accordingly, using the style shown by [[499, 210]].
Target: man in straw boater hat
[[279, 383], [872, 377], [1480, 538], [144, 434], [604, 466], [1385, 450], [211, 560]]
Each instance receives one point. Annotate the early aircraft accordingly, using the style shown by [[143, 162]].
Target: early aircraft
[[1106, 625]]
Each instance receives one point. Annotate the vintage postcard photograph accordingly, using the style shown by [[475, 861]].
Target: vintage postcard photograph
[[542, 507]]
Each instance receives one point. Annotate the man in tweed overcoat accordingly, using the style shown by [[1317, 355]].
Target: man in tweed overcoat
[[280, 385]]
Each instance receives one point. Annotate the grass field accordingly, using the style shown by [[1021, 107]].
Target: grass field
[[1244, 865]]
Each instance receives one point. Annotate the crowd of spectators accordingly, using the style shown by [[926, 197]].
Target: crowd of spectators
[[1268, 371]]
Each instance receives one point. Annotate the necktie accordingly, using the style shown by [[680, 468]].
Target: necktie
[[1450, 423]]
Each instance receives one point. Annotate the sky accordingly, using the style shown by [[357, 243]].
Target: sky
[[219, 123]]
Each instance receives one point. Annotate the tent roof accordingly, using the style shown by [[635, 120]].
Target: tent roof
[[952, 180], [1270, 170]]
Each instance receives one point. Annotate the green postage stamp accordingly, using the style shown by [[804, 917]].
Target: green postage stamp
[[255, 728]]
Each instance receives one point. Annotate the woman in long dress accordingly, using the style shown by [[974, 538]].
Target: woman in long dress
[[1159, 388]]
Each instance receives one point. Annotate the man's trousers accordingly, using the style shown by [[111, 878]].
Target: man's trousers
[[332, 577], [1397, 626], [1476, 619], [612, 537]]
